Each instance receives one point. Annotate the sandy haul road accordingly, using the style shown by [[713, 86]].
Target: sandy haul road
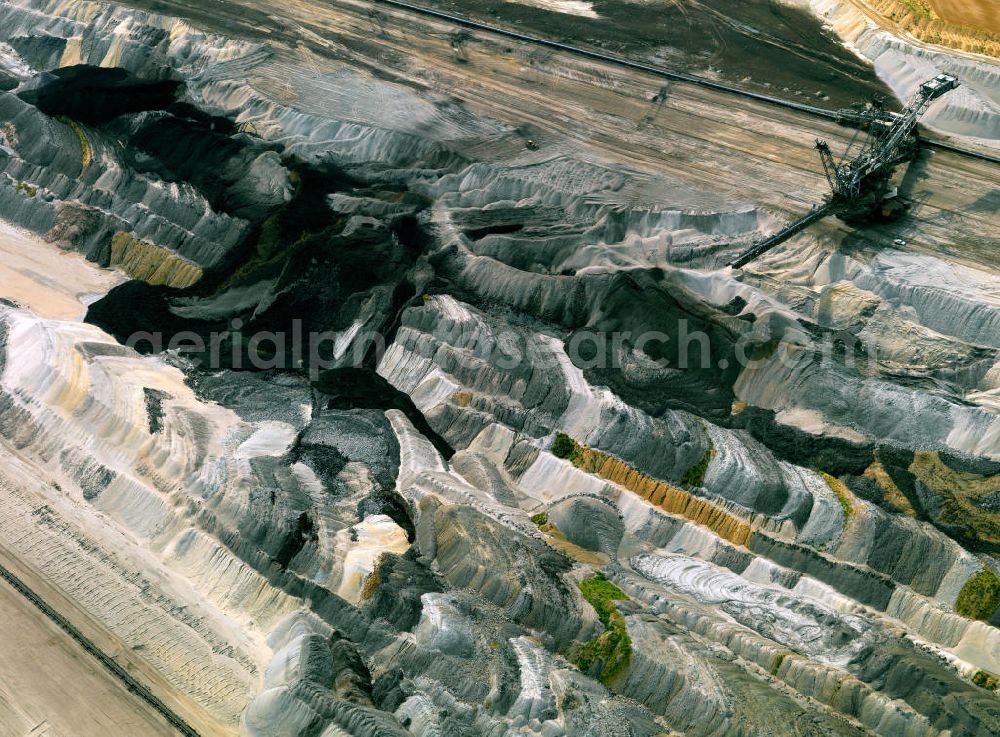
[[51, 688]]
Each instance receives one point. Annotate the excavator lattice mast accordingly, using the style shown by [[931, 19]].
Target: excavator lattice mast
[[860, 186], [829, 165]]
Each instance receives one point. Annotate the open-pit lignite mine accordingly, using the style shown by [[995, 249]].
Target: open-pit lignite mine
[[364, 375]]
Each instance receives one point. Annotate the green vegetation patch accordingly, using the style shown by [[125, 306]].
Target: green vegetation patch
[[918, 8], [986, 680], [86, 152], [838, 488], [564, 446], [695, 476], [541, 519], [600, 593], [778, 660], [980, 596], [26, 188], [613, 647], [9, 132]]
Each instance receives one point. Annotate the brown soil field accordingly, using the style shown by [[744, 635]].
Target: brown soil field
[[983, 15]]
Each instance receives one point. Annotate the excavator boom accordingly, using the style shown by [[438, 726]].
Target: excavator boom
[[859, 186]]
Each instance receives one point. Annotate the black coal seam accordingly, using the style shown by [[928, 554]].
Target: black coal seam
[[351, 388]]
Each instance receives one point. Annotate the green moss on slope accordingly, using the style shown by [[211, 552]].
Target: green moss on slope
[[695, 476], [986, 680], [26, 188], [613, 647], [564, 446], [86, 152], [980, 596], [840, 489]]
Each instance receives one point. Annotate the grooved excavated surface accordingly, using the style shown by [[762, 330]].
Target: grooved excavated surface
[[483, 502]]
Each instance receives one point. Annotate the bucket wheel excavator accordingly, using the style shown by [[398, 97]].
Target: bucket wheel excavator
[[860, 182]]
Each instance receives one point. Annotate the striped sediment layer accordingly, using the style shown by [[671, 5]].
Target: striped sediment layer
[[855, 576], [151, 263], [665, 496]]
